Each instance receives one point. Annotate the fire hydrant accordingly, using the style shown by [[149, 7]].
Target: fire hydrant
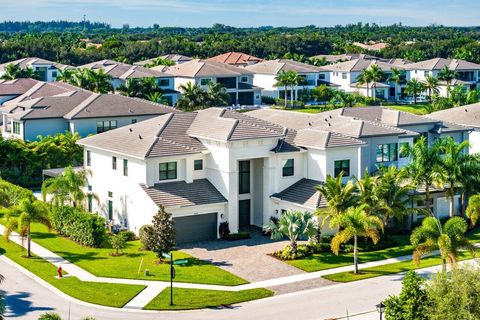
[[59, 271]]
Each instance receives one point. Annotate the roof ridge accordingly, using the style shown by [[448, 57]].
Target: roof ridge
[[82, 105]]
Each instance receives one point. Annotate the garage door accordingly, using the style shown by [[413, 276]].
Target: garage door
[[196, 228]]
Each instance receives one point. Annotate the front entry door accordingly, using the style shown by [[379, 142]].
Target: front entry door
[[243, 213]]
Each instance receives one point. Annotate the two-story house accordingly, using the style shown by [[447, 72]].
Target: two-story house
[[468, 72], [267, 71], [120, 72], [10, 89], [345, 75], [56, 107], [45, 70], [176, 58], [238, 59], [238, 82]]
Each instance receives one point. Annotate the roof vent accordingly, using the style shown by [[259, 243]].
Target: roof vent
[[130, 110], [326, 119], [87, 110], [466, 110], [130, 129], [140, 137], [310, 124], [329, 124], [330, 116]]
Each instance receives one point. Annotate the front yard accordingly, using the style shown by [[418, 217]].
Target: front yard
[[133, 263]]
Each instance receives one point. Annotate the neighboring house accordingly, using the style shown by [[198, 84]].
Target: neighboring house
[[10, 89], [468, 72], [469, 116], [56, 107], [46, 70], [266, 72], [345, 74], [371, 46], [120, 72], [237, 81], [216, 165], [334, 58], [238, 59], [177, 58]]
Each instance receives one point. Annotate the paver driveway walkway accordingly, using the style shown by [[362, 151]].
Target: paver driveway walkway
[[247, 258]]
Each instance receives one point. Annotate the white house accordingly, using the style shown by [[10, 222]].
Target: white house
[[217, 165], [176, 58], [238, 82], [56, 107], [45, 70], [120, 72], [468, 72], [268, 70]]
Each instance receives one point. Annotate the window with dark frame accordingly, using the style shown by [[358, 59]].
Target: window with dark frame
[[198, 164], [89, 158], [114, 163], [288, 168], [125, 167], [342, 166], [16, 127], [167, 171], [110, 210], [103, 126], [244, 177], [386, 152]]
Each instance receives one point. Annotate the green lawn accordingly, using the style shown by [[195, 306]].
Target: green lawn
[[328, 260], [418, 109], [185, 299], [107, 294], [100, 262], [391, 269]]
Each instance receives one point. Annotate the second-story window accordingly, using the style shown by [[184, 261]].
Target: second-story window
[[344, 75], [243, 79], [164, 82], [387, 152], [244, 177], [125, 167], [114, 163], [103, 126], [341, 166], [205, 81], [167, 171], [89, 158], [288, 168], [198, 164]]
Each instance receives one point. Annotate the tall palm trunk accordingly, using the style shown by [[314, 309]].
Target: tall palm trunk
[[444, 266], [293, 246], [29, 240], [291, 96], [374, 93], [285, 96], [452, 202], [368, 89], [355, 254]]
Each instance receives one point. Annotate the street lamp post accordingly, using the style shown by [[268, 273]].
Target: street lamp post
[[381, 309]]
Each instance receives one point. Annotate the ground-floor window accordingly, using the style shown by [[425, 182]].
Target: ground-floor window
[[16, 127], [110, 210], [342, 166]]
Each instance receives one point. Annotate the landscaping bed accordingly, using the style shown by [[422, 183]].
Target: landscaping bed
[[187, 299]]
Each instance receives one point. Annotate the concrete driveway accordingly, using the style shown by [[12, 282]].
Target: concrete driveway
[[247, 258]]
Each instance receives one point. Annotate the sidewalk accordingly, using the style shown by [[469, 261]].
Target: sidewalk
[[154, 287]]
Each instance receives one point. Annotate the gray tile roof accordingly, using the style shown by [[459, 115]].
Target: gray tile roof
[[468, 115], [182, 194], [119, 70], [440, 63], [275, 66], [33, 61], [303, 193], [177, 58], [359, 65], [16, 87], [332, 58], [386, 116], [204, 68]]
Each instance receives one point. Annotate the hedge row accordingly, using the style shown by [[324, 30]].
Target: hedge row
[[80, 226], [13, 193]]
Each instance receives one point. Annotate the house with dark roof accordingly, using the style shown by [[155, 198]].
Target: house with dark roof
[[48, 108], [267, 71], [10, 89], [237, 81], [45, 70]]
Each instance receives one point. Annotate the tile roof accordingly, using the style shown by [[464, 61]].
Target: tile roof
[[332, 58], [370, 85], [359, 65], [204, 68], [16, 87], [387, 116], [275, 66], [32, 61], [119, 70], [303, 193], [177, 58], [182, 194], [236, 58], [468, 115], [161, 136], [440, 63]]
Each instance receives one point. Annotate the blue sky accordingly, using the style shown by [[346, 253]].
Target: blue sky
[[247, 12]]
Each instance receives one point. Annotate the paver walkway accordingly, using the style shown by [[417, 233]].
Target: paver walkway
[[155, 287]]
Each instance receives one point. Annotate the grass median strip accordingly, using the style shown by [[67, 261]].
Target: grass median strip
[[106, 294], [391, 268], [187, 299]]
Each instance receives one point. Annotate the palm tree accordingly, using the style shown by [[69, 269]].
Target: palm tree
[[160, 62], [65, 75], [339, 197], [414, 88], [318, 62], [450, 238], [283, 80], [66, 188], [99, 81], [295, 225], [397, 77], [366, 189], [346, 100], [447, 75], [28, 211], [14, 71], [130, 88], [295, 80], [457, 94], [473, 210], [193, 97], [156, 97], [455, 162], [365, 77], [376, 75], [393, 195], [423, 166], [431, 84], [217, 95], [355, 223]]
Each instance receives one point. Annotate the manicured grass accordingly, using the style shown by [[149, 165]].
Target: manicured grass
[[106, 294], [99, 261], [328, 260], [391, 268], [418, 109], [185, 299]]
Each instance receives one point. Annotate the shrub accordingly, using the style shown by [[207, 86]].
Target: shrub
[[287, 254], [163, 238], [117, 242], [224, 230], [13, 193], [50, 316], [146, 236], [268, 100], [80, 226], [128, 235], [238, 236]]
